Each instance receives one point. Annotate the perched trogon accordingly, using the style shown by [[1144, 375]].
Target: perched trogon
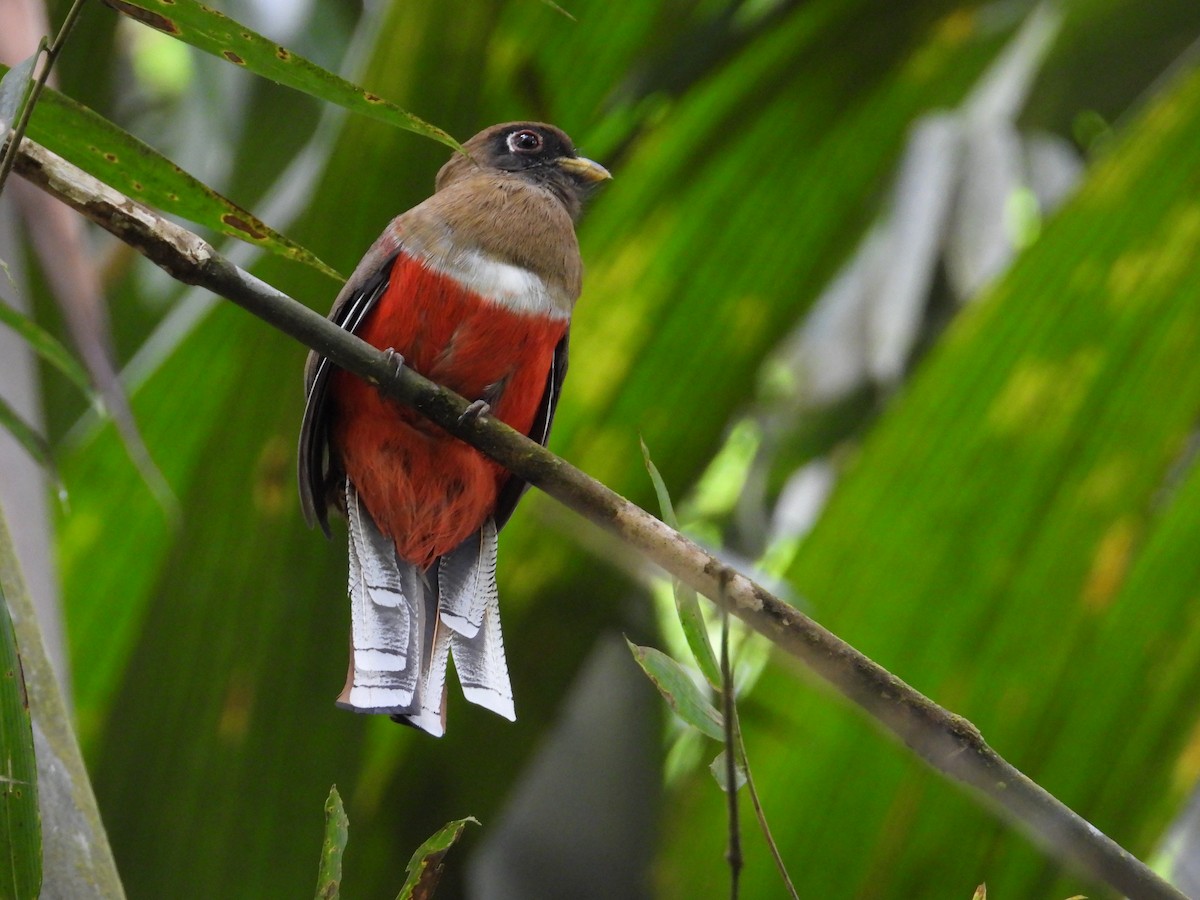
[[473, 288]]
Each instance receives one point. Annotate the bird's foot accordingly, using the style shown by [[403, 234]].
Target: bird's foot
[[476, 411], [395, 362], [394, 359]]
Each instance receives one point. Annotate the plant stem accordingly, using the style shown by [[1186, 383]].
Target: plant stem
[[759, 813], [734, 853], [35, 91]]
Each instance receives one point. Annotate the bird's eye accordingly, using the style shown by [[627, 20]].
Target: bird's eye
[[525, 141]]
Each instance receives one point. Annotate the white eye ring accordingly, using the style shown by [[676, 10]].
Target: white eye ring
[[525, 141]]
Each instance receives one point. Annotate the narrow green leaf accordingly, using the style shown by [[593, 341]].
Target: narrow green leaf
[[215, 33], [27, 436], [660, 488], [54, 352], [691, 620], [86, 139], [47, 347], [679, 690], [687, 605], [425, 867], [337, 826], [20, 826], [14, 87], [718, 767]]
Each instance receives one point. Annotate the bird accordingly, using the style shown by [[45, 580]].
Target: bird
[[474, 289]]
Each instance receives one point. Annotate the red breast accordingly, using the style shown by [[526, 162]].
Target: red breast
[[426, 489]]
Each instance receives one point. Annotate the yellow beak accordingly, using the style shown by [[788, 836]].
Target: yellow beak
[[584, 169]]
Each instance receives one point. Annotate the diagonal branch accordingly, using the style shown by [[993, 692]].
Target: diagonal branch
[[947, 742]]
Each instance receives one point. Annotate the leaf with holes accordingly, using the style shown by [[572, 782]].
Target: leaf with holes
[[88, 140], [425, 867]]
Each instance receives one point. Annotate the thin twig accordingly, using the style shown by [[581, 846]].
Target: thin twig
[[759, 813], [35, 91], [733, 854], [735, 753], [947, 742]]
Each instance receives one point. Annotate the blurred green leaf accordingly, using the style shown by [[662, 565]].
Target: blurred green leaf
[[679, 690], [1012, 541], [215, 33], [47, 347], [687, 605], [425, 867], [329, 875], [26, 435], [75, 857], [666, 507], [20, 824], [669, 335]]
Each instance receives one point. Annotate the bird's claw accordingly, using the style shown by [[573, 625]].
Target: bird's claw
[[476, 411], [394, 359]]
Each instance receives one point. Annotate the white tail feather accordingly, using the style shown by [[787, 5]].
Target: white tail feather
[[482, 668], [466, 578], [386, 620], [470, 601], [431, 715], [399, 654]]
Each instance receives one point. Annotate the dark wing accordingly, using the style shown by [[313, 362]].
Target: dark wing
[[506, 501], [316, 469]]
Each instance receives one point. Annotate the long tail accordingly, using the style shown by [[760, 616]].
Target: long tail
[[469, 608], [402, 634]]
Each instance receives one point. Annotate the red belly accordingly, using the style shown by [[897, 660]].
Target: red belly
[[425, 489]]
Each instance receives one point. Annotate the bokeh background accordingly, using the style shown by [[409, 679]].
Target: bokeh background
[[904, 299]]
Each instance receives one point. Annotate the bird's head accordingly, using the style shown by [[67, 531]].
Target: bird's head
[[534, 151]]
